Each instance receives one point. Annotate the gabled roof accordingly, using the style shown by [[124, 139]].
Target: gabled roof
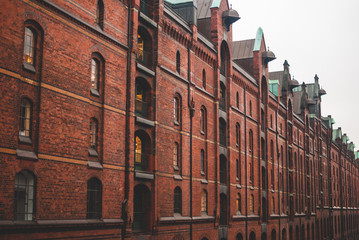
[[243, 49]]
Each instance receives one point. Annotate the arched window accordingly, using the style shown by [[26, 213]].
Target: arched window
[[252, 236], [203, 167], [94, 198], [177, 202], [203, 120], [24, 196], [25, 117], [144, 47], [239, 237], [176, 156], [239, 204], [177, 110], [97, 64], [93, 133], [29, 46], [100, 13], [251, 204], [204, 202], [204, 79], [274, 235], [178, 62], [237, 100]]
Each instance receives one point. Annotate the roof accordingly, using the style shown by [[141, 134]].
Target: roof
[[243, 49], [204, 8], [178, 1], [278, 75]]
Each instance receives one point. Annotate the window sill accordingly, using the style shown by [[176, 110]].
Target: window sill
[[93, 153], [176, 123], [202, 132], [176, 168], [144, 175], [94, 92], [177, 177], [26, 155], [95, 165], [204, 181], [29, 67], [239, 186], [25, 140]]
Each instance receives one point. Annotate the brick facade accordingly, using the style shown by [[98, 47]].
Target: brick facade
[[183, 139]]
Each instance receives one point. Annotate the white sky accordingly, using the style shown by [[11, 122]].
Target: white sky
[[316, 37]]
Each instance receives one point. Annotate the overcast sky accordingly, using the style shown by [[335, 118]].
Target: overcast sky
[[316, 37]]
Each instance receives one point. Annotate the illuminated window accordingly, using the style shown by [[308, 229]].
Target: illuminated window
[[29, 46], [204, 201], [93, 133], [251, 204], [177, 110], [95, 73], [239, 203], [25, 118]]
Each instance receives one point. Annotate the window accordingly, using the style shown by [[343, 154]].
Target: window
[[250, 108], [222, 100], [251, 204], [251, 164], [95, 73], [141, 156], [239, 203], [177, 110], [237, 100], [204, 201], [24, 196], [25, 118], [238, 171], [250, 142], [100, 13], [222, 132], [142, 104], [175, 156], [94, 198], [273, 205], [203, 120], [29, 46], [178, 200], [204, 79], [93, 133], [202, 162], [238, 134], [178, 62]]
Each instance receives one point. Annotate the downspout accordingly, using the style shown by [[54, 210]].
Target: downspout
[[278, 156], [191, 109], [127, 131], [245, 144]]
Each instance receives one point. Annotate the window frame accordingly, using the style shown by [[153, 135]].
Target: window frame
[[25, 121], [29, 192], [177, 201], [177, 109], [204, 202], [94, 198]]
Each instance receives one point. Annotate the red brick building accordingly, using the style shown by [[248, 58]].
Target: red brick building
[[145, 120]]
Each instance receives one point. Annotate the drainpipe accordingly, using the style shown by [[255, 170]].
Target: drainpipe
[[127, 131], [191, 109], [245, 156], [278, 156]]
